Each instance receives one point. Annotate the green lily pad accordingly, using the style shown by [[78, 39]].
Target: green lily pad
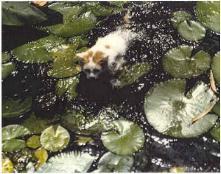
[[179, 17], [21, 13], [110, 163], [38, 51], [216, 108], [216, 67], [208, 13], [67, 87], [171, 112], [5, 57], [131, 74], [191, 30], [36, 124], [65, 62], [75, 20], [7, 69], [54, 138], [126, 138], [14, 131], [215, 132], [72, 162], [14, 108], [13, 145], [33, 142], [179, 63]]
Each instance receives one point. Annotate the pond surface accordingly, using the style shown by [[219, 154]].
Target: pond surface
[[152, 21]]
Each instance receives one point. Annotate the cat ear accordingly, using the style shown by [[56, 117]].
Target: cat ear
[[81, 55]]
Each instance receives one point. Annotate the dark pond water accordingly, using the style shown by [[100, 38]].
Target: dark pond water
[[158, 36]]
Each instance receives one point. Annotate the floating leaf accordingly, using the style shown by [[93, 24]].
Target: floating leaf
[[131, 74], [55, 138], [216, 67], [5, 57], [14, 131], [171, 112], [216, 108], [83, 140], [208, 13], [7, 69], [13, 145], [179, 17], [179, 63], [38, 51], [126, 138], [36, 124], [191, 30], [14, 108], [7, 166], [68, 87], [110, 163], [42, 155], [215, 132], [65, 62], [33, 142], [72, 162], [21, 13]]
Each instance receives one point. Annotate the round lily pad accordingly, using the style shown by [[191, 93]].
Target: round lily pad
[[215, 132], [208, 13], [216, 67], [54, 138], [13, 145], [191, 30], [42, 155], [126, 138], [179, 63], [7, 69], [33, 142], [110, 162], [7, 166], [179, 17], [13, 108], [37, 51], [172, 113], [72, 162]]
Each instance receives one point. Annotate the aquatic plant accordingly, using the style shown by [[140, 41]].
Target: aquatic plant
[[216, 67]]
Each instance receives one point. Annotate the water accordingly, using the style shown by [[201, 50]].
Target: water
[[151, 21]]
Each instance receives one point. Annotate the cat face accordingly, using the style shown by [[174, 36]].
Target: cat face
[[92, 62]]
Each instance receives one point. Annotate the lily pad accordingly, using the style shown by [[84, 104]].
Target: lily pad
[[38, 51], [191, 30], [67, 87], [171, 112], [42, 155], [5, 57], [13, 108], [33, 142], [21, 13], [14, 131], [7, 166], [216, 67], [208, 13], [216, 108], [65, 62], [126, 138], [7, 69], [131, 74], [179, 17], [55, 138], [110, 162], [13, 145], [179, 63], [215, 132], [72, 162]]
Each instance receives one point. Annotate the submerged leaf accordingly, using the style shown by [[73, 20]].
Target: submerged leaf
[[14, 108], [14, 131], [38, 51], [110, 162], [179, 63], [83, 140], [72, 162], [33, 142], [215, 132], [42, 155], [216, 67], [55, 138], [171, 112], [191, 30], [208, 13], [126, 138], [7, 166], [13, 145], [131, 74]]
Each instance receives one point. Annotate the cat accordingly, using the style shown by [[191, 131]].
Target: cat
[[109, 50]]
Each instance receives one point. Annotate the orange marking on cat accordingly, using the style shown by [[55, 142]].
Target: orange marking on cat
[[98, 57], [87, 56]]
